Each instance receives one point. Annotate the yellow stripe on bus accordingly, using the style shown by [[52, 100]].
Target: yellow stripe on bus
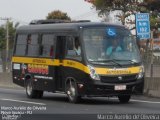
[[76, 65], [117, 71], [52, 62], [42, 61]]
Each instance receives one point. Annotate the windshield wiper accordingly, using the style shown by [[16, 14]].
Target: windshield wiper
[[132, 61], [109, 60]]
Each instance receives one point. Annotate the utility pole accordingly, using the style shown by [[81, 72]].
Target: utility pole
[[7, 41]]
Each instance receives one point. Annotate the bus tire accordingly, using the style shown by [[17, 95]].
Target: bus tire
[[72, 91], [30, 92], [124, 98]]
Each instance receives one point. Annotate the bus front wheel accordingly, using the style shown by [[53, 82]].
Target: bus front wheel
[[30, 92], [124, 98], [72, 92]]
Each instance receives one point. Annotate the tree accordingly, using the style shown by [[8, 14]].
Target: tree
[[57, 14], [153, 7], [2, 37], [12, 30], [128, 7]]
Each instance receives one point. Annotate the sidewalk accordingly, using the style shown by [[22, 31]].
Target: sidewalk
[[6, 81]]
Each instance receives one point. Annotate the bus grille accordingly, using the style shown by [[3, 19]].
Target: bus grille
[[115, 79]]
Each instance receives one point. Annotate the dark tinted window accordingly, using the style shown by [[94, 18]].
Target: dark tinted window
[[21, 45], [33, 45], [34, 39], [73, 48], [47, 45], [47, 39], [22, 39], [20, 50]]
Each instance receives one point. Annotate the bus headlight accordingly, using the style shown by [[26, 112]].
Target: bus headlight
[[141, 72], [93, 73]]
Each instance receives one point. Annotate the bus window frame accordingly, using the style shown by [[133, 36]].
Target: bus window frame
[[33, 44], [78, 58], [15, 44], [41, 45]]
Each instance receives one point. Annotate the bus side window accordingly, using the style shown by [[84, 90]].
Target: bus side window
[[21, 45], [73, 48], [47, 47], [33, 45]]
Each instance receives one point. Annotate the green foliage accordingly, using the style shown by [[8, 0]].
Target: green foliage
[[111, 5], [152, 5], [12, 30], [154, 22], [2, 38], [57, 14], [128, 7]]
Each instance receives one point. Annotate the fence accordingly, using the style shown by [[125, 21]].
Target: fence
[[151, 60], [5, 63], [5, 69]]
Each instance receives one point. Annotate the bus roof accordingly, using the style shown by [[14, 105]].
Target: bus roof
[[62, 26]]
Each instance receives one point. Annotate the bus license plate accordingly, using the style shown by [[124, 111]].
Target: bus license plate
[[120, 87]]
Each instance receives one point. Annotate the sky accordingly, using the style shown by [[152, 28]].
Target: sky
[[24, 11]]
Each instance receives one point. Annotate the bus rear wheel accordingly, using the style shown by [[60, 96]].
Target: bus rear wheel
[[72, 92], [30, 92], [124, 98]]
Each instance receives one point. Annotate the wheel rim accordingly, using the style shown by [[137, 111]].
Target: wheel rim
[[71, 92], [29, 88]]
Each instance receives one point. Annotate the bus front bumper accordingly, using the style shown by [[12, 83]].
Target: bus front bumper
[[99, 89]]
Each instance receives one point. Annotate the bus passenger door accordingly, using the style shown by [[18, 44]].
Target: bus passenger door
[[60, 52]]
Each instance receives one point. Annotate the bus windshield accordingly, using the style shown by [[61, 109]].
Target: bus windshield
[[110, 44]]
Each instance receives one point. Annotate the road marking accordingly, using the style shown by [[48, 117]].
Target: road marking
[[143, 101], [22, 101]]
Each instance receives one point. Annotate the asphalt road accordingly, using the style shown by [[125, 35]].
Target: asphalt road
[[14, 101]]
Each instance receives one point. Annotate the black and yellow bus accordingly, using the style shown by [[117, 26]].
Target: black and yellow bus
[[78, 59]]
